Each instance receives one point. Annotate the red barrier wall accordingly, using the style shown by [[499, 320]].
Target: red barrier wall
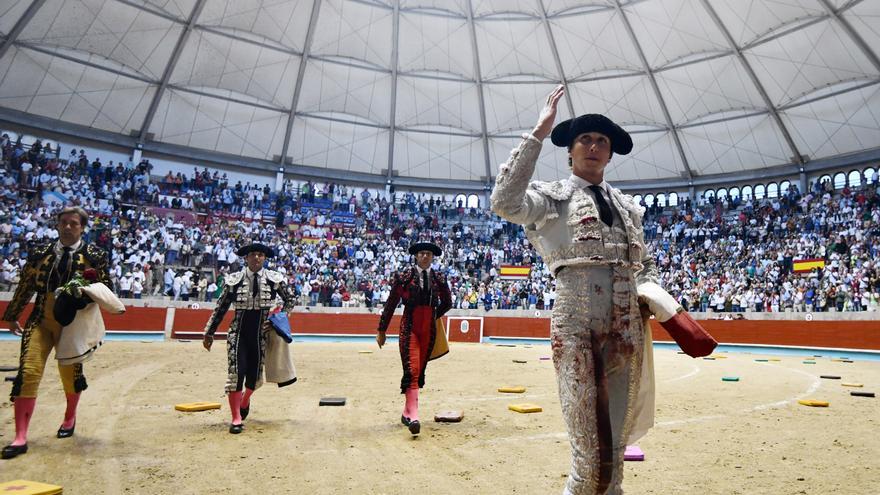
[[134, 319], [842, 334], [194, 320]]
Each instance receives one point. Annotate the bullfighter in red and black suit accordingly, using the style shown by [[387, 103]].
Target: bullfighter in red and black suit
[[426, 297]]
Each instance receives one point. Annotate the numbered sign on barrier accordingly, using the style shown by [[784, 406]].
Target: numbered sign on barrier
[[464, 328]]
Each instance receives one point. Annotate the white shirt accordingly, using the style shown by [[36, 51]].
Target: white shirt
[[419, 269], [583, 184]]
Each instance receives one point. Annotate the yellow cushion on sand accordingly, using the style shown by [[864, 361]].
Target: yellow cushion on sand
[[24, 487], [197, 406], [512, 390], [716, 356], [365, 352], [813, 403], [775, 360], [856, 385], [525, 408]]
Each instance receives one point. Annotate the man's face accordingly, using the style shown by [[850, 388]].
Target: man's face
[[424, 259], [255, 260], [590, 152], [70, 228]]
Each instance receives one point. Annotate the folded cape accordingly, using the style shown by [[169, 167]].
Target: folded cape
[[281, 324], [690, 336]]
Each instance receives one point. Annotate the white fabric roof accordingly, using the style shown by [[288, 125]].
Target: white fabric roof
[[442, 89]]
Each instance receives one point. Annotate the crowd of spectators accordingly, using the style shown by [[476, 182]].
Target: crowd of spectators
[[175, 236]]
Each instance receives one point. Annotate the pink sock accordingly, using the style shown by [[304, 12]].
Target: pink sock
[[235, 407], [246, 398], [24, 409], [70, 412], [411, 410]]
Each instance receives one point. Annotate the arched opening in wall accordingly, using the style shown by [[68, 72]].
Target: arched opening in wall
[[772, 190], [784, 186], [722, 193], [839, 180], [825, 179], [708, 194], [870, 175], [734, 192], [460, 201], [855, 178], [649, 200], [473, 201], [747, 192], [760, 191], [638, 199], [673, 199], [661, 200]]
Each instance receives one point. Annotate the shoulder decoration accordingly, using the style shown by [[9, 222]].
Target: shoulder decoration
[[40, 251], [559, 190], [274, 277], [234, 278]]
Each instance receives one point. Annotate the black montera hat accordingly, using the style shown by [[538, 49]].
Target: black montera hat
[[425, 246], [262, 248], [565, 132]]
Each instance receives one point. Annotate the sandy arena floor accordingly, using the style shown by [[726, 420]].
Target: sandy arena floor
[[711, 437]]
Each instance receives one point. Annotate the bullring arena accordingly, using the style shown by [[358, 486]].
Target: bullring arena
[[710, 436], [489, 164]]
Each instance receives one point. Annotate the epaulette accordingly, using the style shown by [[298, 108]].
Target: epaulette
[[94, 254], [40, 251], [274, 277], [234, 278], [559, 190], [629, 202]]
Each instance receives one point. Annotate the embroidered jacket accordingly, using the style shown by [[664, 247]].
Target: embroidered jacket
[[562, 221], [37, 278]]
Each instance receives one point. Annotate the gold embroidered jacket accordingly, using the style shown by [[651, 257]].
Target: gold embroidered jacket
[[37, 273]]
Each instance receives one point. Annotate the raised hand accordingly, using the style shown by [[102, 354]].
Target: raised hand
[[548, 113]]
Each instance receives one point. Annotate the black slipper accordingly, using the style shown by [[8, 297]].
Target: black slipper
[[244, 412], [415, 427], [236, 429], [405, 420], [66, 432], [11, 451]]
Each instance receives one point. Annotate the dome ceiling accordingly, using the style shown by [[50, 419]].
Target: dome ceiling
[[442, 89]]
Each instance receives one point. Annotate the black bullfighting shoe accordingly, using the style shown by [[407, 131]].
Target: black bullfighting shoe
[[404, 420], [244, 412], [11, 451], [66, 432], [236, 429], [415, 427]]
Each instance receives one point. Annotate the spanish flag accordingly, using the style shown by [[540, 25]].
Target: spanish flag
[[806, 265], [515, 272]]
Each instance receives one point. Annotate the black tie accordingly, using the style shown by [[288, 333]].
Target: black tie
[[425, 286], [64, 266], [255, 287], [604, 210]]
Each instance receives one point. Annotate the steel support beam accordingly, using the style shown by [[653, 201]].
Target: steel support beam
[[478, 75], [774, 112], [392, 114], [169, 69], [556, 58], [20, 25], [650, 73], [858, 40], [297, 90]]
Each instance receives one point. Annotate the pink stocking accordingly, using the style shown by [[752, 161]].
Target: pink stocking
[[411, 410], [246, 398], [70, 412], [24, 409], [235, 407]]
